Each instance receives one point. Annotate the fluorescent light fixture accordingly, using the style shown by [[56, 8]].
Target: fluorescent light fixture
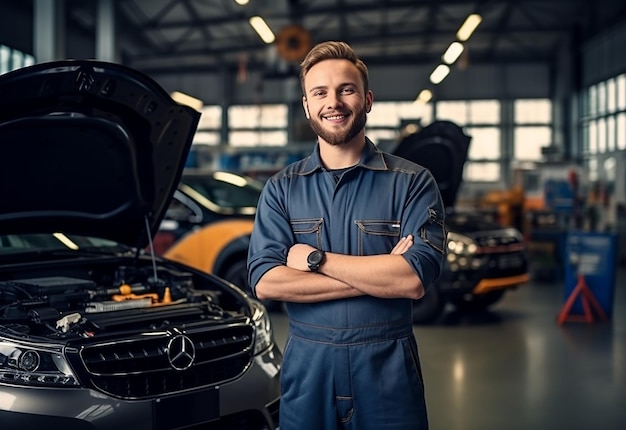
[[452, 53], [439, 74], [263, 30], [187, 100], [65, 240], [424, 96], [468, 27], [230, 178]]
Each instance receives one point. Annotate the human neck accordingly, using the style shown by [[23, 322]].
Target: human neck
[[341, 156]]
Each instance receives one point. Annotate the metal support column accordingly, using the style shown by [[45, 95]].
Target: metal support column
[[49, 30], [106, 40]]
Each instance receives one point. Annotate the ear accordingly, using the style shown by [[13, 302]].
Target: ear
[[369, 99], [305, 105]]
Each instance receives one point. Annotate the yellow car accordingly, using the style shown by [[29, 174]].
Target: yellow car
[[208, 223]]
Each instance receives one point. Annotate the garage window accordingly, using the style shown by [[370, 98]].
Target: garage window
[[532, 129], [11, 59], [480, 119], [257, 125]]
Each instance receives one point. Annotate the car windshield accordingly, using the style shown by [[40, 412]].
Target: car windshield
[[226, 190], [28, 243]]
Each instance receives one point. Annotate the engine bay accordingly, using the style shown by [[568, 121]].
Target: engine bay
[[116, 296]]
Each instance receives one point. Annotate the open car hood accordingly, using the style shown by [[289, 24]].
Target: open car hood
[[441, 147], [89, 148]]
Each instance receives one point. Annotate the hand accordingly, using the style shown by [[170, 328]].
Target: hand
[[297, 256], [403, 245]]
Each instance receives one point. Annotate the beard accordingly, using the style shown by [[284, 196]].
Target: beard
[[342, 136]]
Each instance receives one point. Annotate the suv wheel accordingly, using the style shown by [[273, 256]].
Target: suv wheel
[[477, 302], [429, 307], [237, 273]]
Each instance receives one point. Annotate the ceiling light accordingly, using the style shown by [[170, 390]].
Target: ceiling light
[[468, 27], [440, 72], [410, 129], [242, 2], [263, 30], [452, 53], [187, 100], [424, 96]]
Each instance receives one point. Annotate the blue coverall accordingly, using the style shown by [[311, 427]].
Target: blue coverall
[[351, 363]]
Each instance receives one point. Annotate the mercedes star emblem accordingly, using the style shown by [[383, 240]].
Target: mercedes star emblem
[[181, 352]]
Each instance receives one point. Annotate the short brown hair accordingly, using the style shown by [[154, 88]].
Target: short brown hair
[[328, 51]]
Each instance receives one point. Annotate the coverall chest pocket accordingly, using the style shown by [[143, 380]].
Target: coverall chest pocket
[[377, 236], [308, 231]]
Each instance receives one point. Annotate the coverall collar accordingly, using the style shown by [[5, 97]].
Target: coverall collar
[[371, 158]]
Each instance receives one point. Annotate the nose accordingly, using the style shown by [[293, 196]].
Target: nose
[[333, 100]]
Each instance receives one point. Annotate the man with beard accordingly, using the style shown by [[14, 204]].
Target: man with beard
[[347, 237]]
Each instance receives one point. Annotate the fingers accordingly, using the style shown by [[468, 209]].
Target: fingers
[[403, 245]]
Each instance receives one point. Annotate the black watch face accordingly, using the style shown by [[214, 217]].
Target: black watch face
[[316, 257]]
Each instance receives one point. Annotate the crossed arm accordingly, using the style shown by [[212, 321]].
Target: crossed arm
[[342, 276]]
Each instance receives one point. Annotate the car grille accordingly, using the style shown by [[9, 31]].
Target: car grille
[[506, 254], [498, 242], [142, 368]]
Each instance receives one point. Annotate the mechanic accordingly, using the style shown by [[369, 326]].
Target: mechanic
[[348, 237]]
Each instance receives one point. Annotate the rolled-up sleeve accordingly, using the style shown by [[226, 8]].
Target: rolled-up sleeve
[[271, 236], [424, 218]]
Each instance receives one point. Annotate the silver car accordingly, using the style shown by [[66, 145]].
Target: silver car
[[95, 331]]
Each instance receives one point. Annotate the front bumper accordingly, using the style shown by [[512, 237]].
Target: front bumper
[[484, 274], [488, 285], [249, 402]]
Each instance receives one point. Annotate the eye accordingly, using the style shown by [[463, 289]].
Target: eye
[[348, 90]]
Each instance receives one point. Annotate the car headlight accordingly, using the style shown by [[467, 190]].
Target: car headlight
[[34, 365], [461, 245], [462, 253], [262, 327]]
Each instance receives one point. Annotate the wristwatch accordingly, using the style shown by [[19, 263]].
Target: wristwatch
[[315, 260]]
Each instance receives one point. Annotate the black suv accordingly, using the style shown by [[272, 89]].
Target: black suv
[[484, 259]]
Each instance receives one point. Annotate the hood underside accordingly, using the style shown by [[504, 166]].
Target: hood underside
[[442, 148], [90, 148]]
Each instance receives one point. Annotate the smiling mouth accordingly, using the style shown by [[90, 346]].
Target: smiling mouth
[[335, 117]]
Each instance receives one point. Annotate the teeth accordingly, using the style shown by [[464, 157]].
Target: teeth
[[334, 117]]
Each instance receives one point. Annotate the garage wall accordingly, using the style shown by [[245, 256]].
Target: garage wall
[[604, 56], [391, 83], [16, 27]]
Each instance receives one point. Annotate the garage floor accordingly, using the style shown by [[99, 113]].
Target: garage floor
[[515, 368]]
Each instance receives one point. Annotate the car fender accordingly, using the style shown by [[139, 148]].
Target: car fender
[[202, 249]]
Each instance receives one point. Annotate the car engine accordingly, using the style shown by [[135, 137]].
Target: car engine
[[127, 298]]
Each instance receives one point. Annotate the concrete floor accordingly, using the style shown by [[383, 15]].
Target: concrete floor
[[515, 368]]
